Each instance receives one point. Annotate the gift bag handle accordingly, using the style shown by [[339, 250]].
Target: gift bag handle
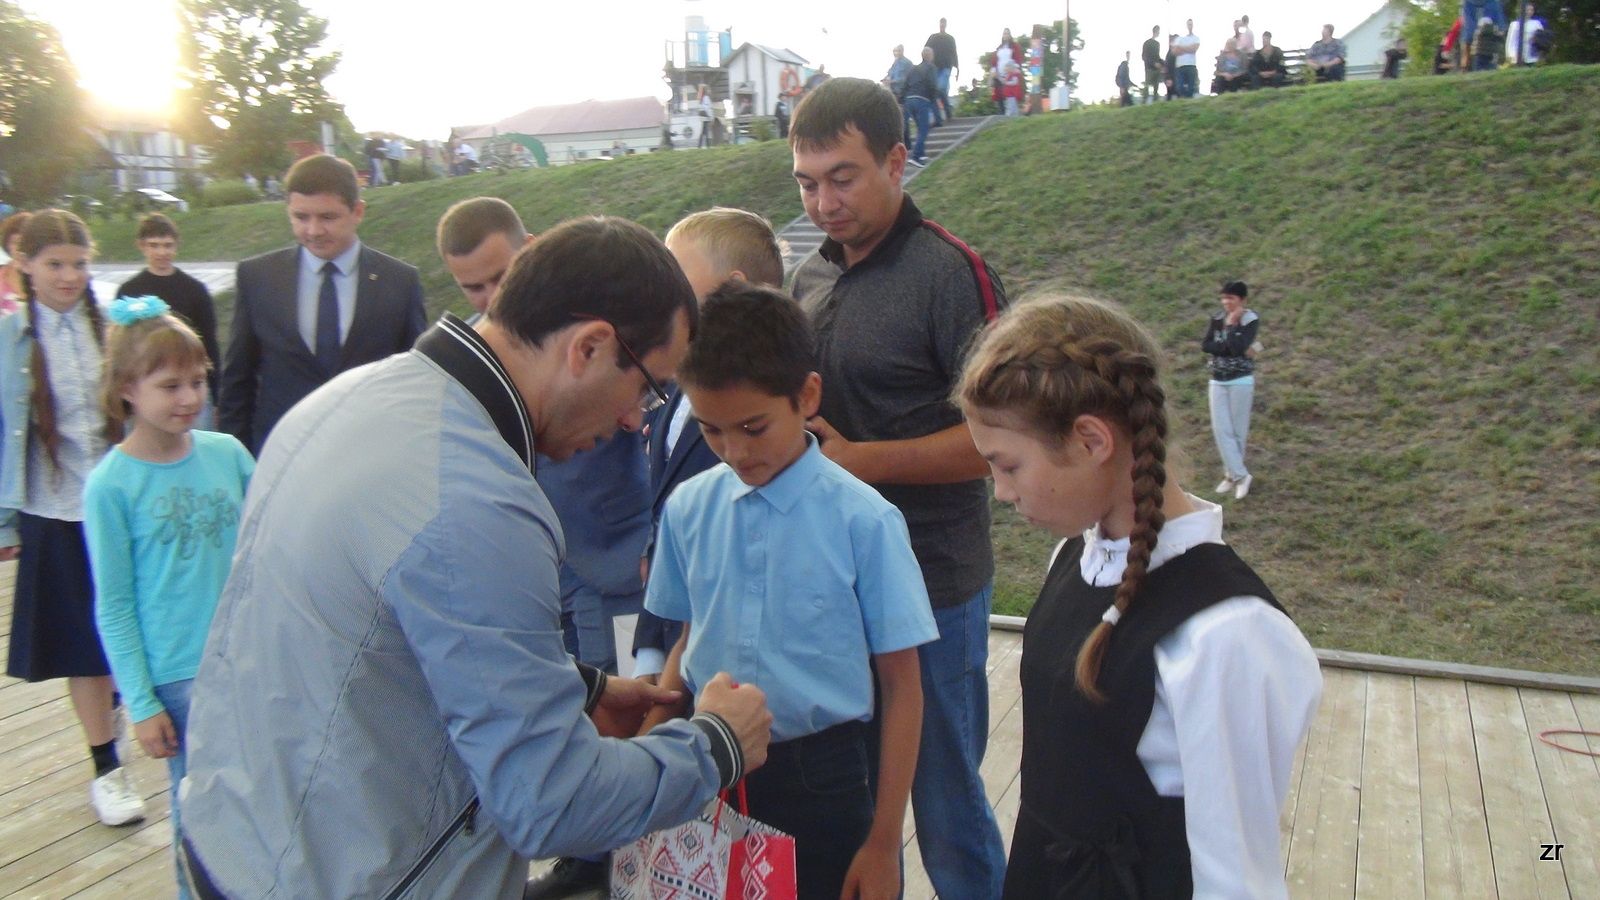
[[744, 804]]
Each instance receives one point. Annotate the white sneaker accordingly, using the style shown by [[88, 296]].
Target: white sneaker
[[114, 799], [1241, 489], [1225, 485]]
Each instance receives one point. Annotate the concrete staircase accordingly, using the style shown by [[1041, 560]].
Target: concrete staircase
[[802, 237]]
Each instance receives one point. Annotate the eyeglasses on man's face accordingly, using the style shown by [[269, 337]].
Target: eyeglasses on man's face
[[653, 396]]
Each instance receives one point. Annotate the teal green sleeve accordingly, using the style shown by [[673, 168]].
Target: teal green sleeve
[[109, 535]]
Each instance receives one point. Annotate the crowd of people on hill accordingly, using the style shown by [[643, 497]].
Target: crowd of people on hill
[[368, 620], [1480, 39]]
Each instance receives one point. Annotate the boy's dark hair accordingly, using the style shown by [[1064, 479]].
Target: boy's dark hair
[[750, 335], [844, 103], [324, 174], [156, 225], [469, 223], [1236, 289], [599, 267]]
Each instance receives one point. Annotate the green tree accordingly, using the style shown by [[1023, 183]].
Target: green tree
[[43, 116], [1426, 25], [254, 80], [1575, 28]]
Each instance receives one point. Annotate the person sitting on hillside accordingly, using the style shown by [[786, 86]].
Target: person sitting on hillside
[[1232, 70], [1266, 67], [1485, 46], [1326, 57], [1454, 47], [1392, 58], [1124, 80], [1533, 44], [1441, 60], [1170, 67]]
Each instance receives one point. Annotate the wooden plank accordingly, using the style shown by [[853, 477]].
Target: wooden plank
[[151, 876], [1571, 790], [917, 884], [1389, 838], [1518, 819], [1322, 849], [80, 844], [113, 865], [1286, 817], [57, 815], [43, 756], [22, 696], [1456, 860], [1007, 810], [1428, 668], [32, 724]]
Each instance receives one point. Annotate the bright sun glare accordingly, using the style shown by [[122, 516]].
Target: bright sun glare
[[130, 65]]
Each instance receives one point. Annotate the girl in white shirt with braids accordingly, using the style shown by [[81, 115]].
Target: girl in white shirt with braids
[[1164, 690]]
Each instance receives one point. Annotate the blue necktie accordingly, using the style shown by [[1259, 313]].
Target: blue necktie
[[328, 322]]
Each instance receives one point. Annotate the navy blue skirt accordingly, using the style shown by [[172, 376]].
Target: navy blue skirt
[[52, 620]]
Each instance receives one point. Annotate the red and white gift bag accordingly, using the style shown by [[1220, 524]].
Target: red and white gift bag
[[721, 855]]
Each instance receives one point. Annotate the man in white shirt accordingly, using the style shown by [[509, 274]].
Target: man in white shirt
[[1188, 74], [1514, 31]]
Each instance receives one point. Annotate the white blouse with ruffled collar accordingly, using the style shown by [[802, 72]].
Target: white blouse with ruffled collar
[[1237, 686]]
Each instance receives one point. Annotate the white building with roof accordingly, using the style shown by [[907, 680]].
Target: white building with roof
[[758, 75], [572, 132], [1366, 42]]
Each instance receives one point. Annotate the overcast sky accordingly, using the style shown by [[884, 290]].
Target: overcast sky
[[420, 69]]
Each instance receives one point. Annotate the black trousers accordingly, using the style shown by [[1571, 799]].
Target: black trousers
[[815, 789]]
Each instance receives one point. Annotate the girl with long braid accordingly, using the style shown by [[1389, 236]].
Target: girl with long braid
[[52, 434], [1164, 689]]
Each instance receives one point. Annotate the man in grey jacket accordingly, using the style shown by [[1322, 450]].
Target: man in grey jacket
[[385, 708]]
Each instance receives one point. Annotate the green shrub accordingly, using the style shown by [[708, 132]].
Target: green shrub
[[228, 192], [416, 170]]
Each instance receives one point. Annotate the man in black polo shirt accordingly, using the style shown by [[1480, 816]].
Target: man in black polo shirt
[[895, 299], [948, 63]]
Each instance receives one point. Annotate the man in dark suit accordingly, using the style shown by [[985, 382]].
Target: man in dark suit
[[306, 313]]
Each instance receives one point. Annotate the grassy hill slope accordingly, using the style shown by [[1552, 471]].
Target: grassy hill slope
[[1425, 257], [654, 190]]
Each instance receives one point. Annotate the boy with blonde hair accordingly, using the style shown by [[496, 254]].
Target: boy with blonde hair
[[712, 246]]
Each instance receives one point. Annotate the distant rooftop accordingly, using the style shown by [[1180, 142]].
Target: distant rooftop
[[574, 118]]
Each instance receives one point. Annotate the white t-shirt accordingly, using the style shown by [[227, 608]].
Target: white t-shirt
[[1529, 55], [1187, 45], [1247, 40]]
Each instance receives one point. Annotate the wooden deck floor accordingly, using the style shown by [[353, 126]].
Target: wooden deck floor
[[1406, 787]]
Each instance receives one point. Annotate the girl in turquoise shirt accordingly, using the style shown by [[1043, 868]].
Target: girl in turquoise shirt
[[161, 513]]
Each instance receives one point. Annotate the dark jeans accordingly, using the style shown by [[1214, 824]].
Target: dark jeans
[[1220, 85], [1188, 81], [1273, 80], [1332, 73], [921, 109], [815, 790]]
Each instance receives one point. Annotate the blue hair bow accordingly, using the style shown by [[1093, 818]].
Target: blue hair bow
[[128, 310]]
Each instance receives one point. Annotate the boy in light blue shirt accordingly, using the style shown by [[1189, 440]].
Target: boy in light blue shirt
[[793, 575]]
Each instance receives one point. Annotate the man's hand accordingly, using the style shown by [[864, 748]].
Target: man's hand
[[874, 873], [744, 708], [626, 701], [1235, 317], [157, 736], [837, 448]]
